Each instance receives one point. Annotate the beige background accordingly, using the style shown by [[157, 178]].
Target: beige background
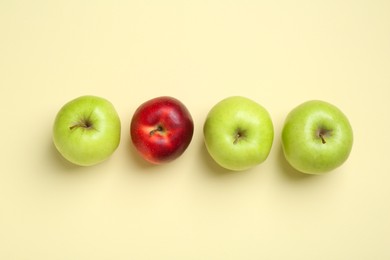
[[279, 53]]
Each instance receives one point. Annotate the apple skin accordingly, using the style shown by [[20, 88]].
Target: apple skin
[[317, 137], [238, 133], [161, 129], [87, 130]]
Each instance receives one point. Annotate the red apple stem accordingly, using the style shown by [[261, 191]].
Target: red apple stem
[[157, 129]]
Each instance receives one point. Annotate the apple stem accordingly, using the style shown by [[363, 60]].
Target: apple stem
[[322, 138], [83, 124], [158, 129], [237, 137]]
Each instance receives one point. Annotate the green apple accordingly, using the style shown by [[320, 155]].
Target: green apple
[[238, 133], [87, 130], [316, 137]]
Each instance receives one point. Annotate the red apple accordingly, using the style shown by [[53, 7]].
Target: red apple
[[161, 129]]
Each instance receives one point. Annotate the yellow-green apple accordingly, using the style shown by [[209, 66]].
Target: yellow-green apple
[[317, 137], [238, 133], [161, 129], [87, 130]]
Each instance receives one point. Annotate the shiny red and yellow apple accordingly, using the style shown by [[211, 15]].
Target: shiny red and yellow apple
[[161, 129]]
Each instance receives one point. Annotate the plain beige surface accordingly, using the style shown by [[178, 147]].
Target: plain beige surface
[[279, 53]]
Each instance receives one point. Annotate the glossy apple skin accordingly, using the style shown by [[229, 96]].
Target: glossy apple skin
[[161, 129], [87, 130], [317, 137], [238, 133]]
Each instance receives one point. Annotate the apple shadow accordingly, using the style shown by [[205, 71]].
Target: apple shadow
[[66, 167], [60, 162], [137, 160], [213, 168], [288, 171]]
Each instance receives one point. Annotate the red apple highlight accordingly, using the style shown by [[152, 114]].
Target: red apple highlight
[[161, 129]]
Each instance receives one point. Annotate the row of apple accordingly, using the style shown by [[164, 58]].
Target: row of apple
[[238, 133]]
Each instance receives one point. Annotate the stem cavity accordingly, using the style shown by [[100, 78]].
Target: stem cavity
[[323, 133], [159, 128], [239, 135], [86, 124]]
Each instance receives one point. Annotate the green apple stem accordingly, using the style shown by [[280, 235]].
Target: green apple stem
[[322, 133], [322, 138], [239, 135], [84, 124]]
